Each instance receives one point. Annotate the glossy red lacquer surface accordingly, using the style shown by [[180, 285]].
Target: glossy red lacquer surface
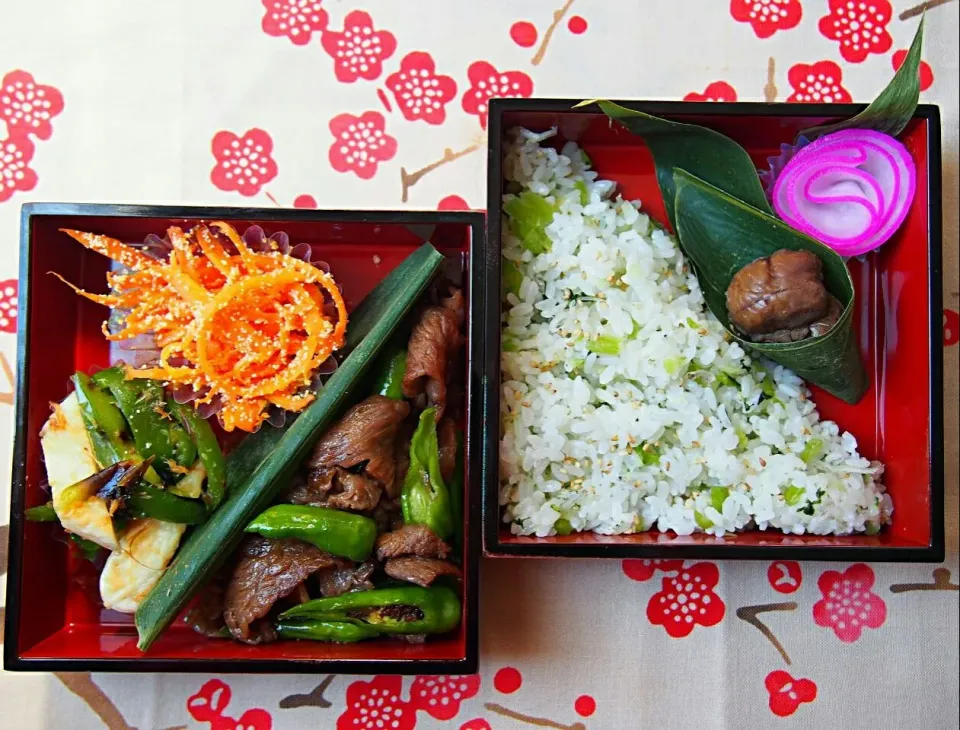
[[892, 423], [61, 616]]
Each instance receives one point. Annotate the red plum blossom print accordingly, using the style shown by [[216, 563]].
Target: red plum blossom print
[[243, 162], [849, 605], [305, 201], [376, 705], [477, 723], [28, 107], [641, 570], [951, 327], [359, 50], [360, 144], [717, 91], [821, 82], [787, 693], [298, 20], [860, 27], [8, 306], [926, 73], [486, 82], [440, 697], [210, 703], [686, 600], [421, 92], [15, 172], [785, 576], [766, 17], [453, 202]]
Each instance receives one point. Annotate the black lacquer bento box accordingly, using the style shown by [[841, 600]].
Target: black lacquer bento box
[[54, 620], [898, 321]]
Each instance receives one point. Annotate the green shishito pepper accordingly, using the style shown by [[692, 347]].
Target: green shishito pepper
[[338, 631], [143, 405], [41, 513], [424, 498], [148, 501], [208, 449], [389, 380], [339, 533], [400, 610]]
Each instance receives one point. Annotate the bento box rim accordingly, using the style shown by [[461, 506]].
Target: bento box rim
[[479, 258], [933, 552]]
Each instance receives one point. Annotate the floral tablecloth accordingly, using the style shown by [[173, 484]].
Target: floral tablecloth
[[382, 104]]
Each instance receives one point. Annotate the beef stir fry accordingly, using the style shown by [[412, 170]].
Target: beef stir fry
[[361, 544]]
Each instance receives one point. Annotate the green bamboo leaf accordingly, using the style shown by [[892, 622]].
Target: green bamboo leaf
[[707, 154], [721, 235], [273, 458], [894, 107]]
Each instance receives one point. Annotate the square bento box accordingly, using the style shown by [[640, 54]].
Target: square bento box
[[898, 320], [55, 620]]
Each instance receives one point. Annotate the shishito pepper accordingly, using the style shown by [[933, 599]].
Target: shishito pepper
[[424, 498], [208, 449], [339, 533], [155, 433], [389, 381], [400, 610], [338, 631]]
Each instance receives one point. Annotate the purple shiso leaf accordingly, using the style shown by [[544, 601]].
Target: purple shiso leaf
[[851, 190]]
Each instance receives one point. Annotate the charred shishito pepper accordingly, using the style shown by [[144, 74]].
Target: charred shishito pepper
[[400, 610], [425, 498], [344, 534], [208, 450], [389, 381]]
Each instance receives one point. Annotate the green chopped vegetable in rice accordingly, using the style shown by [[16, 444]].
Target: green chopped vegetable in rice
[[627, 407]]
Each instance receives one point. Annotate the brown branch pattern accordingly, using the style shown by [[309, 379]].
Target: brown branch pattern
[[770, 88], [548, 36], [6, 396], [941, 582], [314, 698], [922, 8], [531, 720], [750, 614], [83, 686], [409, 179]]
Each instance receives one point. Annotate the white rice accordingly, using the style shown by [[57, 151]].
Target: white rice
[[575, 422]]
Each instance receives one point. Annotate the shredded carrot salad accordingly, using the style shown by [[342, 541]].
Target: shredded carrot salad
[[247, 329]]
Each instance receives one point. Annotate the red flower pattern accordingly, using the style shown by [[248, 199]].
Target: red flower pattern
[[8, 306], [477, 723], [210, 701], [376, 705], [818, 82], [244, 163], [440, 697], [305, 201], [486, 82], [787, 693], [951, 327], [785, 576], [358, 51], [253, 719], [717, 91], [453, 202], [767, 16], [926, 73], [27, 107], [295, 19], [642, 570], [360, 143], [860, 27], [421, 92], [15, 172], [848, 605], [686, 600]]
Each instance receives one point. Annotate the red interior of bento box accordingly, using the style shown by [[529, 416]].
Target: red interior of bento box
[[892, 423], [60, 612]]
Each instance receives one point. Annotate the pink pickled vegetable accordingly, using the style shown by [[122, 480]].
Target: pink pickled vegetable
[[850, 190]]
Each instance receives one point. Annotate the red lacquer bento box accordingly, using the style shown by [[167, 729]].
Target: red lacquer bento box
[[898, 321], [55, 620]]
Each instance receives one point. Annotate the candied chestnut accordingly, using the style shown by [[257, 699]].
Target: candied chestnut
[[781, 298]]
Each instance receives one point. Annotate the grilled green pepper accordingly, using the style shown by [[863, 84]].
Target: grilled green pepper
[[401, 610], [339, 533], [208, 449], [424, 497], [149, 501], [389, 381], [143, 405], [339, 631], [41, 513]]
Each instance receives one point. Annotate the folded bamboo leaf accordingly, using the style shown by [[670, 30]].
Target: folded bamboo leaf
[[273, 457], [721, 235], [894, 107], [709, 155]]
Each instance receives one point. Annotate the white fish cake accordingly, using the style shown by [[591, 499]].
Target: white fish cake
[[69, 459], [130, 573]]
